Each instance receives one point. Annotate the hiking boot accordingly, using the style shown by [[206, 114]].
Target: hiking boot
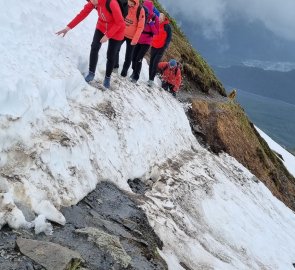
[[131, 77], [90, 76], [107, 82], [150, 83]]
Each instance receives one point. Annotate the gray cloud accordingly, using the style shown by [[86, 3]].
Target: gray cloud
[[213, 15]]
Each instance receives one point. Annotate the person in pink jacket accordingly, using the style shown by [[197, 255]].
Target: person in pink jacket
[[110, 27], [151, 28]]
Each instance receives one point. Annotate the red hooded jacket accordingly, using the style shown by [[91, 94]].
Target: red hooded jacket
[[169, 76], [160, 39], [111, 24]]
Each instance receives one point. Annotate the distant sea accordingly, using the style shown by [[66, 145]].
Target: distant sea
[[266, 90], [270, 65], [276, 118]]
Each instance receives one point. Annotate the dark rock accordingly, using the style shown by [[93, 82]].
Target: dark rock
[[137, 186], [109, 210], [184, 266], [49, 255], [26, 266], [279, 155], [27, 212]]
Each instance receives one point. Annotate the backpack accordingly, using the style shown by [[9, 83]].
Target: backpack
[[146, 11], [123, 6]]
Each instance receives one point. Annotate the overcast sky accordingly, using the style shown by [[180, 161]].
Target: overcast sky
[[213, 15]]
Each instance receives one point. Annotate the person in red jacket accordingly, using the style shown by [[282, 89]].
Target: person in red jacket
[[134, 26], [110, 27], [170, 76], [159, 45]]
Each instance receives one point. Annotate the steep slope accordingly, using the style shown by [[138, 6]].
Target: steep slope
[[225, 128], [212, 213], [287, 158], [60, 137], [216, 121]]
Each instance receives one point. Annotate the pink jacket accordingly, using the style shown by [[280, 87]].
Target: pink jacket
[[152, 26]]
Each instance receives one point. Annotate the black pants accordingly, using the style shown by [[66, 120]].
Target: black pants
[[111, 53], [156, 55], [139, 52], [168, 87], [128, 56]]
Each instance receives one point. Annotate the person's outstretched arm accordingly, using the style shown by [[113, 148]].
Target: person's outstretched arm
[[80, 17], [64, 31]]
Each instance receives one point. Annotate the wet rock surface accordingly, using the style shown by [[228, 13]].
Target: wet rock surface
[[137, 186], [124, 238]]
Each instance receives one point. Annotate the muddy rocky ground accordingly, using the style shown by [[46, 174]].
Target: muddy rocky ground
[[106, 230]]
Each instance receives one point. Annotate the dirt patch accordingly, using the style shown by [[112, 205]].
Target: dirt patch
[[107, 109]]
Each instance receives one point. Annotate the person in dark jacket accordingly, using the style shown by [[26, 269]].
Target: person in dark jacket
[[159, 45], [110, 27]]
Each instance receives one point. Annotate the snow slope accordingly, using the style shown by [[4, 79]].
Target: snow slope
[[289, 159], [59, 137], [212, 213]]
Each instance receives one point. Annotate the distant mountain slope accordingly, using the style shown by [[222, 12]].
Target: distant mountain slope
[[240, 39], [273, 84]]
